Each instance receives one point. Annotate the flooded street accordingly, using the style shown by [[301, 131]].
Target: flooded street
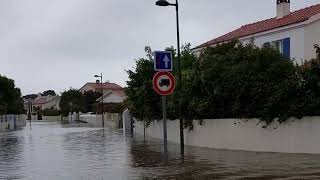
[[53, 151]]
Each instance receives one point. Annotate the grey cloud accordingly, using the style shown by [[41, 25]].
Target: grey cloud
[[49, 44]]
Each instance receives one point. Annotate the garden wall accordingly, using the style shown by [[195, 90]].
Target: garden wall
[[294, 136], [12, 122], [110, 120]]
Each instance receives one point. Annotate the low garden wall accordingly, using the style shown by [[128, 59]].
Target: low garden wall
[[110, 120], [294, 136], [12, 122], [51, 118]]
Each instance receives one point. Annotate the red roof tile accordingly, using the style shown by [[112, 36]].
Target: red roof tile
[[266, 25], [40, 101], [105, 86]]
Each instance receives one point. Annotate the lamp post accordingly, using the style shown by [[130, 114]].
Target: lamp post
[[165, 3], [102, 106]]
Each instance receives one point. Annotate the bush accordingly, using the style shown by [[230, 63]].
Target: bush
[[10, 97], [236, 81], [231, 81], [71, 101], [51, 112]]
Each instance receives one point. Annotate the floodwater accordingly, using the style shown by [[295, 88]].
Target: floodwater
[[53, 151]]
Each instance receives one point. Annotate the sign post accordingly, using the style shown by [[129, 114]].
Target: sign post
[[164, 112], [164, 84]]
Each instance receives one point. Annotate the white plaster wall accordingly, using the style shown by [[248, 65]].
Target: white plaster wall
[[21, 120], [295, 136], [87, 88], [297, 39], [93, 120], [110, 120], [8, 122], [113, 98], [312, 36], [53, 103], [51, 118]]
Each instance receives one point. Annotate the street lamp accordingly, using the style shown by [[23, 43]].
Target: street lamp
[[164, 3], [102, 106]]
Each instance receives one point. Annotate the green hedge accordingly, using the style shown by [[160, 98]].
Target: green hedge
[[231, 81], [51, 112]]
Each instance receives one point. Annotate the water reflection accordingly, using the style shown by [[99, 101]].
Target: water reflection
[[67, 152], [202, 163], [11, 154]]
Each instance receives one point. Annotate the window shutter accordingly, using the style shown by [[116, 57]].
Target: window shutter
[[286, 47]]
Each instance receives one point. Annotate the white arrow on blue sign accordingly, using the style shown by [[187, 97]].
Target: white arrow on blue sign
[[163, 61]]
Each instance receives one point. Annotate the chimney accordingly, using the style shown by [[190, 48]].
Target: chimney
[[283, 8]]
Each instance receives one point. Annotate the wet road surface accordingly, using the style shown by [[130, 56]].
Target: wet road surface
[[53, 151]]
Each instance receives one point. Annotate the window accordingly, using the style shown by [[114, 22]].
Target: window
[[283, 45], [277, 45], [267, 45]]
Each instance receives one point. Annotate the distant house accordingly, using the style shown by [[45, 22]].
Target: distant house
[[112, 101], [294, 34], [46, 102], [96, 87], [113, 97]]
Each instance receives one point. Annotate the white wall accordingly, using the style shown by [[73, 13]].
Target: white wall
[[87, 87], [312, 36], [21, 120], [110, 120], [295, 136], [297, 39], [51, 118], [9, 122], [53, 102], [113, 98]]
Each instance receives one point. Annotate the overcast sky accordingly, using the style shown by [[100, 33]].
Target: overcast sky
[[58, 44]]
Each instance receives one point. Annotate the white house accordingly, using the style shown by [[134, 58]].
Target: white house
[[113, 97], [46, 102], [96, 87], [293, 33]]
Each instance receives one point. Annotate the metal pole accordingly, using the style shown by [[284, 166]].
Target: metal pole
[[102, 106], [164, 111], [179, 82], [71, 113], [144, 130], [131, 127]]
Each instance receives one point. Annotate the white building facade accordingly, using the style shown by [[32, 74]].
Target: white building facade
[[294, 34]]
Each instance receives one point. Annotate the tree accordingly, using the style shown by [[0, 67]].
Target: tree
[[71, 101], [49, 93], [10, 97], [90, 98], [142, 101], [236, 81]]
